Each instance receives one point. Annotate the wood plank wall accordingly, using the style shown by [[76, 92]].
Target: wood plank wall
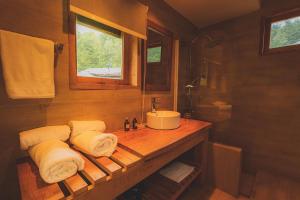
[[48, 19], [264, 92]]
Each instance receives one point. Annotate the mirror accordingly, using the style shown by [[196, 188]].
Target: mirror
[[158, 58]]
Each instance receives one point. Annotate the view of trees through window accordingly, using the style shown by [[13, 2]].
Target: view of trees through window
[[285, 33], [99, 53], [154, 54]]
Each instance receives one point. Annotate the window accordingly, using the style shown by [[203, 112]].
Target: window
[[285, 33], [154, 55], [99, 52], [281, 32], [98, 55]]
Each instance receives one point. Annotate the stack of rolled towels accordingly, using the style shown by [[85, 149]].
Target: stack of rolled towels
[[88, 137], [55, 159]]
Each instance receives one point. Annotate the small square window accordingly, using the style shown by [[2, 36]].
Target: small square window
[[285, 33], [281, 32], [154, 54]]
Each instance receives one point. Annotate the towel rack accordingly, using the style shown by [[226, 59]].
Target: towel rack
[[58, 48]]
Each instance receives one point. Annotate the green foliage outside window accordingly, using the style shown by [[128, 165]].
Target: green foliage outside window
[[285, 33], [154, 54], [97, 49]]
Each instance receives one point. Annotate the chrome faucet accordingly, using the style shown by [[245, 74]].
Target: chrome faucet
[[154, 103]]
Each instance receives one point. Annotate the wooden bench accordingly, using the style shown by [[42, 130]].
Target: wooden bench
[[139, 154]]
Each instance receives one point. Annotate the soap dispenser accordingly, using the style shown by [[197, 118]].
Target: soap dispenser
[[126, 124], [134, 123]]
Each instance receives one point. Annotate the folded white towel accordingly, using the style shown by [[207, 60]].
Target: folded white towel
[[38, 135], [79, 127], [55, 160], [95, 143], [28, 66]]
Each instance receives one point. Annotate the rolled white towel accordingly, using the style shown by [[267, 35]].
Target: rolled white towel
[[79, 127], [55, 160], [95, 143], [38, 135]]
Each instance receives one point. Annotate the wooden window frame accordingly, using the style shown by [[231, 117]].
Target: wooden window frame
[[90, 83], [166, 32], [266, 32]]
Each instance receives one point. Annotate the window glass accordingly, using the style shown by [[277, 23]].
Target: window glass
[[285, 33], [99, 51], [154, 54]]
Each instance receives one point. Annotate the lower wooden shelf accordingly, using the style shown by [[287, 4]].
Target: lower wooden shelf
[[158, 187]]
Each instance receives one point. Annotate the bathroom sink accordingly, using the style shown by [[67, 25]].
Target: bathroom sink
[[163, 120]]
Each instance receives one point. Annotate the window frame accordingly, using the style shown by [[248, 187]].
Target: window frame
[[266, 32], [77, 82]]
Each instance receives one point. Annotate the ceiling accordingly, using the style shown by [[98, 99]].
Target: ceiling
[[207, 12]]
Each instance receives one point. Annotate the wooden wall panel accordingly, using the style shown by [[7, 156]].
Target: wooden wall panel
[[225, 167], [264, 92], [184, 72], [48, 19]]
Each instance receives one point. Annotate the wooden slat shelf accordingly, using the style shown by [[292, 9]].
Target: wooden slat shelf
[[92, 172], [111, 168], [76, 185], [96, 171], [31, 184], [125, 159]]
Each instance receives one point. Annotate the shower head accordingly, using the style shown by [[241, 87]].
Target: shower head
[[192, 84], [189, 86], [212, 42]]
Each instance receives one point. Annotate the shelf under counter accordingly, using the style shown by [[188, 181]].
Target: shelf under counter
[[158, 187]]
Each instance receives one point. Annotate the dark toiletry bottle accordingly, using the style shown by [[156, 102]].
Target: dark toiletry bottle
[[126, 125], [134, 123]]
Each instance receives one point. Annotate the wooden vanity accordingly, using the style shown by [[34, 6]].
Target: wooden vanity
[[140, 154]]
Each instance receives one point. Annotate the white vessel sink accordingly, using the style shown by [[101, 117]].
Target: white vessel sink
[[163, 120]]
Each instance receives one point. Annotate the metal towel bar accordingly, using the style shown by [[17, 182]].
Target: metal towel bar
[[58, 48]]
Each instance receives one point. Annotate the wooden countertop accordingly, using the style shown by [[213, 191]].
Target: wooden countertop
[[109, 176], [148, 142]]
